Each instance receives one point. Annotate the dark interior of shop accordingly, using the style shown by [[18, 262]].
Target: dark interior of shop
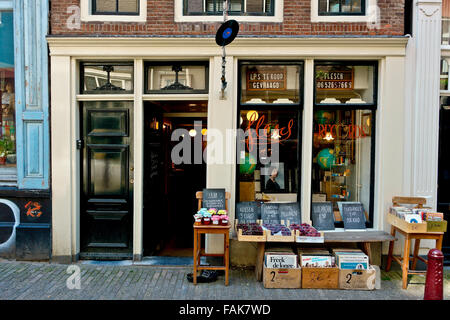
[[169, 188]]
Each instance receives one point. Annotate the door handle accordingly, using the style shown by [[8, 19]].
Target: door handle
[[131, 180]]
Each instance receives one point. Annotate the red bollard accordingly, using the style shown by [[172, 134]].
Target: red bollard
[[434, 285]]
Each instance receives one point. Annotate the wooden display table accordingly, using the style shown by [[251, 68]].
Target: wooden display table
[[199, 252], [364, 237], [411, 231]]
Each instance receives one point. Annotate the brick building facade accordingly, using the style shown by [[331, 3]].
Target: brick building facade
[[296, 22]]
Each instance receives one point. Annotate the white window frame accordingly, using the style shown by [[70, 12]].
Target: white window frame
[[277, 15], [87, 16], [370, 14]]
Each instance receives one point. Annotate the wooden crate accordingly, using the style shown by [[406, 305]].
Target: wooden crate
[[406, 226], [303, 239], [290, 238], [241, 237], [357, 279], [320, 278], [282, 278]]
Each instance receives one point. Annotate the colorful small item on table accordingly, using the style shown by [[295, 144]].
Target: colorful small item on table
[[215, 219], [224, 220], [207, 217], [213, 211], [198, 218], [222, 212]]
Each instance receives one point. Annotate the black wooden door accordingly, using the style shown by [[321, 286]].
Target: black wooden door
[[444, 175], [107, 179]]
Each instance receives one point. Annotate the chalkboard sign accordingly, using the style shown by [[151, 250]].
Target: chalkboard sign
[[214, 198], [248, 211], [270, 213], [353, 216], [322, 215], [291, 212]]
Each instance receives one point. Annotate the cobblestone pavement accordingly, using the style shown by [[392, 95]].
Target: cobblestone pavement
[[44, 281]]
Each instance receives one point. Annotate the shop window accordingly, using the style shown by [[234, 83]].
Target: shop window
[[106, 78], [342, 7], [445, 22], [7, 94], [270, 84], [269, 146], [115, 7], [341, 83], [236, 7], [175, 77], [444, 75], [343, 143]]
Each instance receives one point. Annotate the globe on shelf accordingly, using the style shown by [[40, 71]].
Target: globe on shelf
[[324, 117], [326, 158], [249, 164]]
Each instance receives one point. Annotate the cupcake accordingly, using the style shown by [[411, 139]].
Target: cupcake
[[215, 220], [224, 220]]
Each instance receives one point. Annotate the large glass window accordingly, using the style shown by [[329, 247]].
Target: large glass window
[[270, 83], [115, 7], [269, 139], [106, 78], [344, 83], [7, 94], [445, 22], [176, 77], [343, 142], [342, 7], [236, 7]]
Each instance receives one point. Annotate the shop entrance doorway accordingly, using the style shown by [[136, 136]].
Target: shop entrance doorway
[[444, 172], [106, 196], [169, 188]]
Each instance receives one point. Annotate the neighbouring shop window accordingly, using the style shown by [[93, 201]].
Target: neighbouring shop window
[[342, 7], [344, 83], [343, 151], [236, 7], [177, 77], [115, 7], [106, 78], [269, 147], [7, 94], [445, 22], [444, 75], [270, 84]]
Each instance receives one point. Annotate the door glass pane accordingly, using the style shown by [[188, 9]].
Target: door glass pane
[[7, 94], [100, 78], [277, 84], [107, 172], [107, 123], [130, 6], [342, 153], [340, 83]]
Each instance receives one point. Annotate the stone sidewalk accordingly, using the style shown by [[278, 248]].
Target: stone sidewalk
[[44, 281]]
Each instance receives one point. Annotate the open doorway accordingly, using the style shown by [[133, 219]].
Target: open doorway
[[169, 189]]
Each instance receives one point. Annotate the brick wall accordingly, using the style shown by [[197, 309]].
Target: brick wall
[[160, 22]]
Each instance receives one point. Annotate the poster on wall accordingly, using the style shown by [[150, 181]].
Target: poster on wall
[[330, 78], [273, 178]]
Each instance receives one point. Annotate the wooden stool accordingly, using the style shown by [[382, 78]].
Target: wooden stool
[[410, 235], [404, 262], [199, 252], [211, 229]]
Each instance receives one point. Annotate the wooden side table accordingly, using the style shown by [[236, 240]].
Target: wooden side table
[[199, 252], [404, 262]]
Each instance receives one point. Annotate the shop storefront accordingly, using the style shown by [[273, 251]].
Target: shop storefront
[[25, 205], [332, 107]]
